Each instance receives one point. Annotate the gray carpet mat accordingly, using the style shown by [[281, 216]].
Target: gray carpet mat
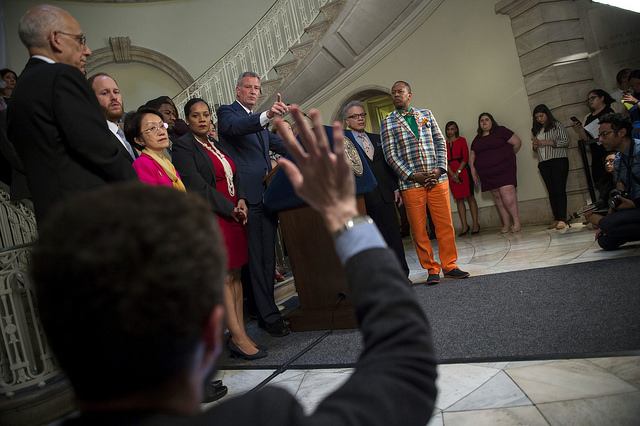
[[571, 311]]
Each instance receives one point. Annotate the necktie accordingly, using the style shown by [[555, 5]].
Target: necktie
[[410, 118], [125, 143], [366, 144]]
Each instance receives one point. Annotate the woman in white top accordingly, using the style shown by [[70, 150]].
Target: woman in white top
[[551, 141]]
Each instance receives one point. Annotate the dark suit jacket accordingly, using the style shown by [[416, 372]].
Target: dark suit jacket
[[393, 382], [59, 131], [199, 175], [387, 180], [249, 144], [19, 189]]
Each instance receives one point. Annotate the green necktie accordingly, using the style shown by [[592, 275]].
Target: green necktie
[[411, 121]]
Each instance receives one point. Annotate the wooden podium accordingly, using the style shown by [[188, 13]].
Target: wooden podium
[[319, 276]]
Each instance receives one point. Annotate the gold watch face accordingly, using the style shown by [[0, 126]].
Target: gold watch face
[[353, 158]]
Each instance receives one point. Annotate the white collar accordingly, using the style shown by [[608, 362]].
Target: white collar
[[244, 107], [44, 58]]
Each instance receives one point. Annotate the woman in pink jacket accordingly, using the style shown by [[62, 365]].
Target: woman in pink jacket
[[147, 130]]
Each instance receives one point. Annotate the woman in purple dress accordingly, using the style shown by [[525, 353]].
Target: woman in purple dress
[[493, 162]]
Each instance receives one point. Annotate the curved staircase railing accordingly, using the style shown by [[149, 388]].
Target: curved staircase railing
[[32, 385], [259, 51]]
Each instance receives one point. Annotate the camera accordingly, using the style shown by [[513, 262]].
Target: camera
[[615, 202]]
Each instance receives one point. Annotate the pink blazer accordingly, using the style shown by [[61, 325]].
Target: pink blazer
[[150, 172]]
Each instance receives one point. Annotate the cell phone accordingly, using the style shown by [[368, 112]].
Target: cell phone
[[574, 119]]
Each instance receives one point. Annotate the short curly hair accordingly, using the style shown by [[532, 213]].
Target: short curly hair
[[126, 279]]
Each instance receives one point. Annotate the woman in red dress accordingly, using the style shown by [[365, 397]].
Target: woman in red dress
[[460, 180], [206, 169]]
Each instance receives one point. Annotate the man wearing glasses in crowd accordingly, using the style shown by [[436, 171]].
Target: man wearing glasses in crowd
[[622, 224], [55, 120]]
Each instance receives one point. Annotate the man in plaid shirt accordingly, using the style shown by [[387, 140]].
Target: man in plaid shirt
[[415, 149]]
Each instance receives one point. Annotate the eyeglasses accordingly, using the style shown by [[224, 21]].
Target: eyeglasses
[[156, 128], [605, 134], [354, 116], [609, 161], [80, 37], [590, 98]]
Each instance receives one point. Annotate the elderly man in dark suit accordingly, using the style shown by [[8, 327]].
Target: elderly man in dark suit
[[248, 141], [55, 121], [381, 201]]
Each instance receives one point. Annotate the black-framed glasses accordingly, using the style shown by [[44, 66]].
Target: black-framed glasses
[[605, 133], [609, 161], [80, 37], [156, 128], [354, 116], [590, 98]]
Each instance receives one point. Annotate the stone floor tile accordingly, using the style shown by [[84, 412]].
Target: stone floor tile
[[625, 367], [567, 380], [456, 381], [316, 385], [289, 380], [436, 420], [241, 381], [498, 392], [619, 410], [527, 415]]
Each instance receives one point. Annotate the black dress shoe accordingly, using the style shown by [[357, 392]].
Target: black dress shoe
[[476, 232], [278, 328], [213, 391]]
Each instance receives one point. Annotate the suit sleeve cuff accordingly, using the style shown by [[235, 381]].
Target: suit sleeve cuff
[[359, 238]]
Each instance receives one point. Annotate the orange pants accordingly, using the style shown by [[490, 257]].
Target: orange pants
[[437, 198]]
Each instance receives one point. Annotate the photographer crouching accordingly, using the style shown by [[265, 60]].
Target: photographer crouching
[[622, 224]]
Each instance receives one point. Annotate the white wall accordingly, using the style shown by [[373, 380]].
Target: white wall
[[194, 33], [462, 61]]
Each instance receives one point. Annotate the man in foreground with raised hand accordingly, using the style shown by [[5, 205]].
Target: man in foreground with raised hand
[[155, 328]]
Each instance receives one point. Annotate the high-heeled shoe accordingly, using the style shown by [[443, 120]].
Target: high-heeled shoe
[[236, 352], [258, 346], [476, 232], [465, 232]]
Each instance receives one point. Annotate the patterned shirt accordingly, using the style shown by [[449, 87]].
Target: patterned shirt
[[407, 154], [559, 136]]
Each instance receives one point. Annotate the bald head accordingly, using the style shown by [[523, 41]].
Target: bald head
[[52, 32]]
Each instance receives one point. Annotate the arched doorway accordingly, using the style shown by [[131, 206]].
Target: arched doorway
[[377, 103]]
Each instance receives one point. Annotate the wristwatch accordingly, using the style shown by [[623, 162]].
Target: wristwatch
[[354, 221]]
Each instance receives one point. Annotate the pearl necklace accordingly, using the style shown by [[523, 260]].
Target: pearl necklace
[[228, 173]]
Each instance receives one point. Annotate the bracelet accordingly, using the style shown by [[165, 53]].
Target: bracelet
[[354, 221]]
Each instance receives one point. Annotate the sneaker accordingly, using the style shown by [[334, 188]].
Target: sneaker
[[433, 279], [456, 273]]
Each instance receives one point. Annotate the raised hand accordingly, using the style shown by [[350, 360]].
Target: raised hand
[[278, 108], [320, 177]]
